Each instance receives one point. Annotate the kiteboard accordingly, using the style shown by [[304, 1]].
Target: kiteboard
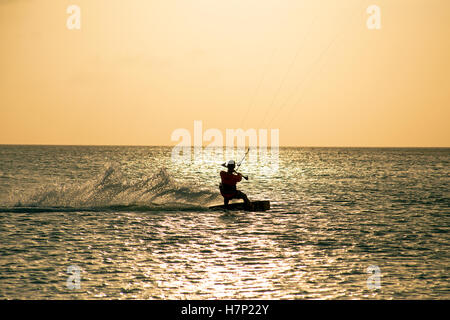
[[253, 206]]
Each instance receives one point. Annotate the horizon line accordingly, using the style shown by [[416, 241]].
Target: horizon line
[[156, 145]]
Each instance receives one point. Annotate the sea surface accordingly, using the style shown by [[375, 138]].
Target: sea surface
[[345, 223]]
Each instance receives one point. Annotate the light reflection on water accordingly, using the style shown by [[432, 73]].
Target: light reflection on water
[[335, 212]]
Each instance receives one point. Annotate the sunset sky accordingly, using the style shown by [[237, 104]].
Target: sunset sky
[[139, 69]]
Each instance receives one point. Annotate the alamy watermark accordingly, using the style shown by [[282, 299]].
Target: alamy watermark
[[374, 280], [374, 20], [74, 20], [74, 280], [213, 145]]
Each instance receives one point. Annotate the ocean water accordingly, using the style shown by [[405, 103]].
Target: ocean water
[[136, 225]]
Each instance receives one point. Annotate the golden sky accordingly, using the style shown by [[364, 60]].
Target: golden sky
[[139, 69]]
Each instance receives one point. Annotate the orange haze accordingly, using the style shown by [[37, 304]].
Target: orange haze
[[137, 70]]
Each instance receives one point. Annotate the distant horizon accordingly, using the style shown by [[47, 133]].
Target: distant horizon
[[143, 73], [171, 146]]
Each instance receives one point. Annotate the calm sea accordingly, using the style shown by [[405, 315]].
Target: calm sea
[[345, 223]]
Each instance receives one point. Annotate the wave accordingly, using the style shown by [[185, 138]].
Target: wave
[[112, 191], [117, 208]]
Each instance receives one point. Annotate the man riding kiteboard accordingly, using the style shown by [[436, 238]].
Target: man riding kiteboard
[[228, 186]]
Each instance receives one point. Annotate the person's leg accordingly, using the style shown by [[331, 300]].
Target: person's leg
[[226, 199], [243, 196], [247, 202]]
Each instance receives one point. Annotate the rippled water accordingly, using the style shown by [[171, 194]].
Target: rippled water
[[137, 225]]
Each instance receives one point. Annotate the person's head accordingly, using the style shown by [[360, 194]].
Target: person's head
[[231, 165]]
